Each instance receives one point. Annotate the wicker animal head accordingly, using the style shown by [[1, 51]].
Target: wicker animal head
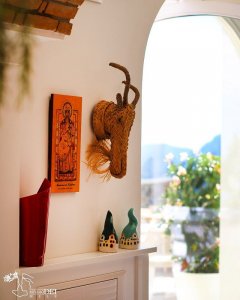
[[112, 123]]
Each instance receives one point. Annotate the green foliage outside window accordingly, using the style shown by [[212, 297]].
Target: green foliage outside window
[[196, 184], [195, 181]]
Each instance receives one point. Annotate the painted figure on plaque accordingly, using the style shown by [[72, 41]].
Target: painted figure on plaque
[[66, 146]]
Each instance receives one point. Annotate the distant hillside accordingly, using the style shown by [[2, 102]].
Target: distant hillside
[[153, 156], [214, 146]]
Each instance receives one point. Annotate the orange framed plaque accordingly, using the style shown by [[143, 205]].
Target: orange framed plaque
[[65, 114]]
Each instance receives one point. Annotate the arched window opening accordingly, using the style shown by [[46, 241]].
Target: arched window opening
[[184, 85]]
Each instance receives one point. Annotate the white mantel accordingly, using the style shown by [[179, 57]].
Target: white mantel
[[125, 272]]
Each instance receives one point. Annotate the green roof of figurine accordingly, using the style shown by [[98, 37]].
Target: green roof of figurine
[[131, 227], [108, 227]]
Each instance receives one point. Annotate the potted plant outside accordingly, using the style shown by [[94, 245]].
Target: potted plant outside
[[193, 201]]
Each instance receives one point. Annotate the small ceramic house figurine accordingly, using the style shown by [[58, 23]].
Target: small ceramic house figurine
[[129, 237], [109, 239]]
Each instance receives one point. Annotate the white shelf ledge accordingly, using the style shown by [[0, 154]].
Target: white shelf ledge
[[90, 258]]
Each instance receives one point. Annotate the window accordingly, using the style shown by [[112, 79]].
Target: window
[[183, 89]]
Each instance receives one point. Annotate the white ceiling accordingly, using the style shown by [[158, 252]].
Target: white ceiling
[[176, 8], [228, 9]]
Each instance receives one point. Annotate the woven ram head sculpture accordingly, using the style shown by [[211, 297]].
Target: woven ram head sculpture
[[111, 124]]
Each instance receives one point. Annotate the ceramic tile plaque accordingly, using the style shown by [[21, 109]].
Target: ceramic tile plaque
[[65, 114]]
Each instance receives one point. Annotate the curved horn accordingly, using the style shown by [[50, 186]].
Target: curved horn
[[137, 94], [127, 84], [119, 100]]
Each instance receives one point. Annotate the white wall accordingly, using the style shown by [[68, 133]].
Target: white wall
[[78, 65]]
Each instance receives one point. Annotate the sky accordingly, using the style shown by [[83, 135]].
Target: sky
[[182, 82]]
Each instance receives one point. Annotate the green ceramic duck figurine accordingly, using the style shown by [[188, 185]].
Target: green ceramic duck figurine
[[109, 239], [129, 237]]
